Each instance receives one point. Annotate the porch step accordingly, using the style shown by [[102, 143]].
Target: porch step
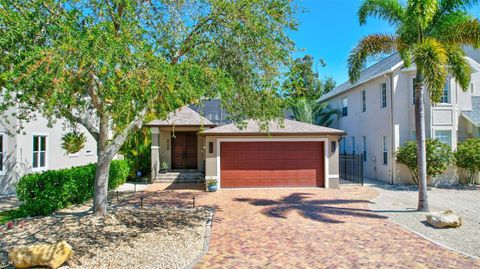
[[180, 177]]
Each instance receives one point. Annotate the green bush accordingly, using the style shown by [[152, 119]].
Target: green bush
[[44, 193], [439, 156], [467, 156]]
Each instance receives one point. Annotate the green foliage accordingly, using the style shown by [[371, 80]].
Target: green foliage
[[439, 156], [73, 142], [136, 151], [46, 192], [164, 165], [467, 155], [303, 82], [11, 215], [310, 111], [211, 182]]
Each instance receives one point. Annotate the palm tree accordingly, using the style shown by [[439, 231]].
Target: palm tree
[[431, 34], [310, 111]]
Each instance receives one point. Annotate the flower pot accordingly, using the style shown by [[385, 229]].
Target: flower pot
[[163, 171], [212, 188]]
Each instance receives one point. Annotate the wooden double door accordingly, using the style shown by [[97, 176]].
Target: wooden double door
[[184, 150]]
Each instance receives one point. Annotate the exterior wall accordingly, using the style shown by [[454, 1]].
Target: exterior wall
[[19, 157], [211, 170]]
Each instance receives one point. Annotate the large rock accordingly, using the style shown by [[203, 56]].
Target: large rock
[[444, 219], [49, 255]]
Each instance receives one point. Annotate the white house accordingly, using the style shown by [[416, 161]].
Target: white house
[[378, 116], [36, 148]]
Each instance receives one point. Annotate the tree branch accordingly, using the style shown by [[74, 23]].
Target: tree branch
[[86, 122], [93, 92]]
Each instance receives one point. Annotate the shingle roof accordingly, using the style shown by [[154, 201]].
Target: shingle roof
[[184, 116], [289, 127], [383, 66], [474, 114]]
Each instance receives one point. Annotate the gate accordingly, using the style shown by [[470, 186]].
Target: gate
[[351, 168]]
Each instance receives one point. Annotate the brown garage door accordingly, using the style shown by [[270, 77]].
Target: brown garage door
[[271, 164]]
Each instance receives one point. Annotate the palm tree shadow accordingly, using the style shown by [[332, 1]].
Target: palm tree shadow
[[322, 210]]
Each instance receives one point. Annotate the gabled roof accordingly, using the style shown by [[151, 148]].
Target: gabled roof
[[183, 116], [384, 66], [474, 115], [289, 127]]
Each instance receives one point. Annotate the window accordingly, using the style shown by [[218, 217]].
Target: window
[[343, 144], [414, 91], [210, 147], [364, 146], [383, 101], [89, 152], [333, 146], [413, 135], [39, 151], [2, 152], [364, 101], [353, 144], [345, 107], [385, 150], [471, 87], [445, 99], [445, 136]]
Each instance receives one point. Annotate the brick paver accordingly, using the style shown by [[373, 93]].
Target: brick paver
[[307, 228]]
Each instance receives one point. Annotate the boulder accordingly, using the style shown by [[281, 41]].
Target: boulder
[[49, 255], [444, 219]]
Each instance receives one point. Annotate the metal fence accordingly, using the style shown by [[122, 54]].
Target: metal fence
[[351, 168]]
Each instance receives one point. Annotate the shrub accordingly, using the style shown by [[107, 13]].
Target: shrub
[[44, 193], [439, 156], [467, 156]]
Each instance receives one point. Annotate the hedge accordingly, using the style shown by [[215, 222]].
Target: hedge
[[46, 192]]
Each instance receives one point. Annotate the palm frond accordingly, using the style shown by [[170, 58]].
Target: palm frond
[[389, 10], [302, 110], [450, 5], [458, 66], [432, 59], [458, 28], [368, 46], [421, 12], [326, 115]]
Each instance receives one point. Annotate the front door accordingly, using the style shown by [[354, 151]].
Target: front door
[[184, 150]]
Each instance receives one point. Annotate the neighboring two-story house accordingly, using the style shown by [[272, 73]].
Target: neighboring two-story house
[[378, 116], [36, 148]]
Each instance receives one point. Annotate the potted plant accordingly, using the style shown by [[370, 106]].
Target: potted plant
[[212, 185], [163, 167]]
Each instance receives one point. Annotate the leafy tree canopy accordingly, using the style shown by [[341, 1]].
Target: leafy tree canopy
[[467, 155], [111, 65], [439, 156]]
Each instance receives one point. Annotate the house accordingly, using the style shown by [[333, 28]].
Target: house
[[378, 115], [289, 154], [36, 148]]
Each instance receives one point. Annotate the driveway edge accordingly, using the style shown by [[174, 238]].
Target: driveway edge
[[206, 243]]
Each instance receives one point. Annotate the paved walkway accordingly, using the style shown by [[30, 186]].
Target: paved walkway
[[8, 202], [399, 203], [306, 228]]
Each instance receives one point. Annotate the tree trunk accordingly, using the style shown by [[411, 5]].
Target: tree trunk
[[100, 203], [421, 145]]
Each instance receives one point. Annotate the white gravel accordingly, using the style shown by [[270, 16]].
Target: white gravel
[[399, 203]]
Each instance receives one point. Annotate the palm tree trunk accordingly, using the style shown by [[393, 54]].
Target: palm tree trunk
[[421, 146]]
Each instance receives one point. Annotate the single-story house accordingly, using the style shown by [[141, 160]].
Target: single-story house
[[289, 154]]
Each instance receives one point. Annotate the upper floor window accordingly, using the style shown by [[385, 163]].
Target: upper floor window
[[345, 106], [364, 101], [445, 136], [383, 94], [445, 99], [385, 150], [343, 144], [364, 146], [414, 91], [2, 152], [39, 151]]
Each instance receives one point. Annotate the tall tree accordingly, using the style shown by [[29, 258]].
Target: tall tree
[[108, 64], [431, 34], [302, 80]]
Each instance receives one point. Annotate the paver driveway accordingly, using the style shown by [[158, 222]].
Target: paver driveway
[[307, 228]]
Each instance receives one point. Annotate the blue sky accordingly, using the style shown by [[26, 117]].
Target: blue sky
[[329, 29]]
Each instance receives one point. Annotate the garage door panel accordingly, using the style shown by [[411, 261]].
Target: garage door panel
[[271, 164]]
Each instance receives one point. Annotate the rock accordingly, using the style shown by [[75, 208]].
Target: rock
[[49, 255], [444, 219]]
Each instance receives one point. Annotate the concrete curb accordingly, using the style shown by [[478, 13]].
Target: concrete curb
[[206, 243], [419, 234]]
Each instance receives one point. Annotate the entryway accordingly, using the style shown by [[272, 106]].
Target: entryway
[[184, 150]]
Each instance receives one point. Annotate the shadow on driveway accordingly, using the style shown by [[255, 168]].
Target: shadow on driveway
[[318, 210]]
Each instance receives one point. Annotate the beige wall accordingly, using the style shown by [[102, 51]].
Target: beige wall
[[332, 176]]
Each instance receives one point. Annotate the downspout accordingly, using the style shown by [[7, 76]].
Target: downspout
[[392, 130]]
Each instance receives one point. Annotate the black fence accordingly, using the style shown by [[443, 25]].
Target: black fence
[[351, 168]]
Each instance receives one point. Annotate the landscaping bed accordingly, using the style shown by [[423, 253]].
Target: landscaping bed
[[125, 238]]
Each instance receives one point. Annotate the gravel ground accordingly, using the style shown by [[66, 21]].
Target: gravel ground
[[125, 238], [399, 204]]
